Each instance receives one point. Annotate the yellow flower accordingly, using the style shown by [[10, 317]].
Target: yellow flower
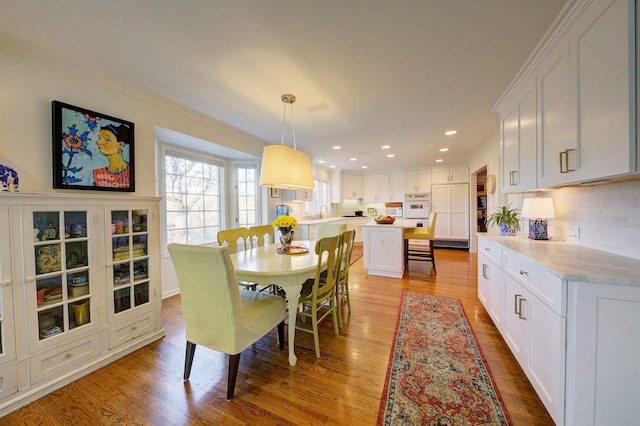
[[285, 222]]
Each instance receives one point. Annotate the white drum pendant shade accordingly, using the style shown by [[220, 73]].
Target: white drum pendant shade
[[286, 168]]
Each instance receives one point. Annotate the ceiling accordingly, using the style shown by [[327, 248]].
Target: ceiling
[[366, 73]]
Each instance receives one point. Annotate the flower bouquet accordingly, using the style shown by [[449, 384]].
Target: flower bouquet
[[286, 225]]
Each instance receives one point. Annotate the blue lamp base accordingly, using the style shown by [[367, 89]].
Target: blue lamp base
[[538, 229]]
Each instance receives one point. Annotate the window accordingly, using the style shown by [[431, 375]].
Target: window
[[193, 197], [321, 195], [247, 195]]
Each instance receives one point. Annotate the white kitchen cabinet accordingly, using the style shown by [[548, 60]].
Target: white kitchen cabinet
[[384, 250], [59, 263], [303, 195], [417, 180], [396, 183], [357, 224], [444, 175], [491, 286], [377, 188], [518, 140], [352, 186], [451, 202], [586, 93], [604, 375]]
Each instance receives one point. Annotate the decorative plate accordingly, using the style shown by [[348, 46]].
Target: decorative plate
[[294, 250]]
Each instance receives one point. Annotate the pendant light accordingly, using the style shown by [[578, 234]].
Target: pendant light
[[284, 167]]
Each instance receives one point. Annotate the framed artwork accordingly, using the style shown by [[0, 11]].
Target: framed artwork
[[275, 192], [91, 150]]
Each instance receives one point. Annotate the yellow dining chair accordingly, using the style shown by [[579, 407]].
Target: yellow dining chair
[[421, 234], [329, 229], [344, 259], [261, 235], [230, 237], [217, 314], [318, 294]]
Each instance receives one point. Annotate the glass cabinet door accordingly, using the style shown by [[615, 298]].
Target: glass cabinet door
[[62, 272], [130, 259]]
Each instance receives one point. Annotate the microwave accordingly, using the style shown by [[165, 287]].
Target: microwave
[[394, 211]]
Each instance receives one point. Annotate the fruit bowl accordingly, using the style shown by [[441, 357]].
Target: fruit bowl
[[385, 221]]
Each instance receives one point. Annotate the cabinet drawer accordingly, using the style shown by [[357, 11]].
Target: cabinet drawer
[[548, 288], [490, 249], [125, 331], [57, 361], [8, 381]]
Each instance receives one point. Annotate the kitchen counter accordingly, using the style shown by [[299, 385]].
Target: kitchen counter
[[316, 221], [574, 262], [384, 247]]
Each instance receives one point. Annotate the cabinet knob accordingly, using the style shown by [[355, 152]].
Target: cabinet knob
[[6, 282], [134, 328], [68, 356]]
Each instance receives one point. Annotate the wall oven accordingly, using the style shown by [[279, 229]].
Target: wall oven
[[417, 206]]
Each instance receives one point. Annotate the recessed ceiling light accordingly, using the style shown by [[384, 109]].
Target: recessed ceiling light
[[450, 132], [321, 161], [364, 167], [444, 149], [439, 160], [353, 159], [332, 167], [336, 147], [390, 155], [385, 146]]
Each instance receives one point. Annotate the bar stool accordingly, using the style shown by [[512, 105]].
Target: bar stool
[[420, 234]]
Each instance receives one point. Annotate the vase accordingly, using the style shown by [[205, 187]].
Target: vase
[[507, 230], [285, 240]]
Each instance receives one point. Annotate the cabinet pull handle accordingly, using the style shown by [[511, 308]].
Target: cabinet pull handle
[[566, 159], [523, 272], [6, 283], [134, 328], [484, 271], [68, 356], [515, 304], [562, 153], [520, 302], [487, 249]]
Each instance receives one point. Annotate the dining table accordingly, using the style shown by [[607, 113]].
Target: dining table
[[266, 265]]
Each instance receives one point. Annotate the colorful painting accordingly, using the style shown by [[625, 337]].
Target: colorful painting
[[91, 150]]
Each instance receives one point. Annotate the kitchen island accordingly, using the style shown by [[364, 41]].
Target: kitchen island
[[384, 247]]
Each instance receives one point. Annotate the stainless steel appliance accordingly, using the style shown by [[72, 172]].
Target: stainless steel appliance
[[417, 205]]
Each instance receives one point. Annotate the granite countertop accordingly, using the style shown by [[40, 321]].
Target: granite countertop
[[572, 261]]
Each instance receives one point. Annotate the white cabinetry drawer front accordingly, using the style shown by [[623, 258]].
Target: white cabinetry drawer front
[[57, 361], [548, 288], [129, 330], [490, 249], [8, 380]]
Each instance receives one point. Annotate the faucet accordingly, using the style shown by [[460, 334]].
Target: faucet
[[326, 208]]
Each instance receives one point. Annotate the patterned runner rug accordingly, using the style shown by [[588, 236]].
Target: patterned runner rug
[[437, 374]]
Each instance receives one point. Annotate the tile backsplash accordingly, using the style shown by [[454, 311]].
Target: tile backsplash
[[608, 216]]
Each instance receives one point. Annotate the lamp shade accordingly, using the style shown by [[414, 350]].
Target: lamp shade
[[286, 168], [538, 208]]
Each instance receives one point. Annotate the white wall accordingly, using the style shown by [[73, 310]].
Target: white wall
[[30, 79]]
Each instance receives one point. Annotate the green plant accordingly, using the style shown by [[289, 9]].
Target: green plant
[[504, 215]]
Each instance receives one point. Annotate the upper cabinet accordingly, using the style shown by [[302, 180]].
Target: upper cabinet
[[396, 184], [298, 195], [417, 180], [352, 186], [518, 141], [584, 80], [444, 175], [377, 188]]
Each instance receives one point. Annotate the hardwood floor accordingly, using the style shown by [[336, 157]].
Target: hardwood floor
[[342, 387]]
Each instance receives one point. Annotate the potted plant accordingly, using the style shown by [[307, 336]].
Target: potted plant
[[506, 218]]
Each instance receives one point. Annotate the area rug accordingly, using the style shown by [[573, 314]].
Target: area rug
[[437, 374]]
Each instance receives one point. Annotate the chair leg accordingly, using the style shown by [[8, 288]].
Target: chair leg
[[188, 359], [335, 317], [281, 334], [234, 362], [314, 325], [338, 302], [406, 254], [346, 292], [433, 258]]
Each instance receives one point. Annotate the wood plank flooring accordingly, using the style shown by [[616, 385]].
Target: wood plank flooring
[[343, 387]]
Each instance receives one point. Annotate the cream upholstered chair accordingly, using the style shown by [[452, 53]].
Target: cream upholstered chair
[[230, 237], [216, 313], [344, 259], [318, 293], [329, 229], [261, 234], [421, 234]]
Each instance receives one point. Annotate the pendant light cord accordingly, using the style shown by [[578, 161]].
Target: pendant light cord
[[288, 99]]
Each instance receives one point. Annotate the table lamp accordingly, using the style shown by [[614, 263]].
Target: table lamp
[[538, 210]]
